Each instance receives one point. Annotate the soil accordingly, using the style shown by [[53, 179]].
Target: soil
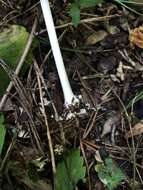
[[104, 68]]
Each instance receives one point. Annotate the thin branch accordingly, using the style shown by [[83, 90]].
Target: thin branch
[[45, 118]]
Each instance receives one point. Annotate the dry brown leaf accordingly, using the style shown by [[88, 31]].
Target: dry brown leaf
[[136, 37], [136, 130], [109, 123], [98, 156], [96, 37]]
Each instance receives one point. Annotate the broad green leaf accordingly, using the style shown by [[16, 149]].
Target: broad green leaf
[[75, 14], [89, 3], [109, 173], [12, 43], [2, 132], [70, 171]]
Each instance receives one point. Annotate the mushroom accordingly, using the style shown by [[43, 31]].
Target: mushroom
[[69, 97]]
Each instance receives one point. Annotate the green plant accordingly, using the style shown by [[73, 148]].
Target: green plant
[[13, 40], [138, 97], [76, 7], [70, 170], [2, 132], [109, 173]]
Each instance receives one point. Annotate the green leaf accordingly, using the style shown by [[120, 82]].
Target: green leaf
[[89, 3], [77, 6], [75, 14], [12, 43], [109, 173], [70, 171], [2, 132]]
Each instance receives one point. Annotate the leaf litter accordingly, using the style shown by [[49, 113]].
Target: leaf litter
[[105, 69]]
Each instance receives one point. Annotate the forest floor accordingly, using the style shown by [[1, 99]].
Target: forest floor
[[104, 61]]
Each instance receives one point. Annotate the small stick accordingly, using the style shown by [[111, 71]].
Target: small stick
[[38, 74], [87, 20]]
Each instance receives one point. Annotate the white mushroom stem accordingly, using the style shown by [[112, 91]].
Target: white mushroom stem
[[67, 91]]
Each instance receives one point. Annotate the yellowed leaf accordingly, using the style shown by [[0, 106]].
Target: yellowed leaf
[[98, 156], [136, 37], [136, 130], [96, 37]]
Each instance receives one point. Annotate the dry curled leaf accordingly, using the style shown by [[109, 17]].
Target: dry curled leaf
[[96, 37], [136, 37], [98, 156], [136, 130], [109, 123]]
